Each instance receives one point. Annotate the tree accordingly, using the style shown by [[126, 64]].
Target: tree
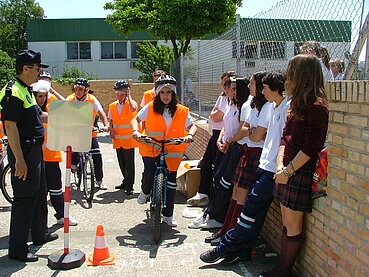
[[7, 68], [14, 17], [178, 21], [153, 57]]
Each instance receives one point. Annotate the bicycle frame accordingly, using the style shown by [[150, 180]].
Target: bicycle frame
[[160, 168]]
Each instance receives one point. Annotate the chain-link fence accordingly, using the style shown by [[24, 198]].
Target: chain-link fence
[[266, 42]]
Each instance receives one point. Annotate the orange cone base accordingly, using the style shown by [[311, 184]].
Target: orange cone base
[[108, 261]]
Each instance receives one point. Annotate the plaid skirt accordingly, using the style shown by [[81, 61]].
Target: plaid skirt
[[297, 193], [244, 176]]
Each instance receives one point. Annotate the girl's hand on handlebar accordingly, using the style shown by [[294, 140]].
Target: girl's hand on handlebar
[[136, 135], [105, 128], [188, 139]]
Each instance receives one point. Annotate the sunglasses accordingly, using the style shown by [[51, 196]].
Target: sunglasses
[[36, 67]]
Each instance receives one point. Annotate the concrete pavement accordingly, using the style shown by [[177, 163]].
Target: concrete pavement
[[129, 236]]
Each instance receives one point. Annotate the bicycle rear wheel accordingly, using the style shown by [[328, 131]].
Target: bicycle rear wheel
[[6, 186], [89, 179], [158, 205]]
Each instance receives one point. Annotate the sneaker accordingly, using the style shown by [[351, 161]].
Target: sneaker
[[142, 198], [210, 256], [211, 224], [170, 221], [101, 185], [198, 222], [212, 237], [73, 168], [216, 242], [72, 221], [188, 213], [199, 200]]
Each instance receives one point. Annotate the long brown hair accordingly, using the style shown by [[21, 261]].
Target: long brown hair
[[159, 106], [304, 84]]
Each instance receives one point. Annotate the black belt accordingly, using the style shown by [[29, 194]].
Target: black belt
[[38, 141]]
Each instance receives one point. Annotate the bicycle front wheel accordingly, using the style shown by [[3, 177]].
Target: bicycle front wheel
[[158, 205], [88, 179], [6, 186]]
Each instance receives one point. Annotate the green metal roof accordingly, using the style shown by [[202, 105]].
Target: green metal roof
[[261, 29], [79, 29], [252, 29]]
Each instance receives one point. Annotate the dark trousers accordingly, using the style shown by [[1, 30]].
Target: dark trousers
[[96, 159], [207, 164], [29, 208], [223, 186], [54, 187], [150, 165], [126, 160], [243, 236]]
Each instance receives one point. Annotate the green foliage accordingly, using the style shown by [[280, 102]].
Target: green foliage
[[7, 68], [179, 21], [153, 57], [14, 16], [71, 73]]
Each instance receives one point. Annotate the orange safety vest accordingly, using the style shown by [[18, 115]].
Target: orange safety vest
[[50, 155], [156, 127], [122, 127], [149, 95], [89, 98]]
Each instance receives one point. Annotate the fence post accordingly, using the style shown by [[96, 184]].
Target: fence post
[[181, 78], [238, 37], [199, 74]]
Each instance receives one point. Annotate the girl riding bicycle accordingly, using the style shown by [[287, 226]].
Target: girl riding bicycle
[[164, 118]]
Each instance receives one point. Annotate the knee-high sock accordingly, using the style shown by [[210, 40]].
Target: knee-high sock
[[227, 220], [236, 214]]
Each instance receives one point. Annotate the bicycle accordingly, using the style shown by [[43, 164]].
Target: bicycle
[[159, 191], [5, 177]]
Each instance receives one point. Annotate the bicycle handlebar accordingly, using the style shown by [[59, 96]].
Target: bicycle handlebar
[[164, 141]]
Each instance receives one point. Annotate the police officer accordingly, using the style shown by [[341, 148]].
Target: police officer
[[23, 125]]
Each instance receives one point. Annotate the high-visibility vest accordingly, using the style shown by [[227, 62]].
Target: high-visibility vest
[[89, 98], [156, 127], [121, 126], [50, 155], [149, 95]]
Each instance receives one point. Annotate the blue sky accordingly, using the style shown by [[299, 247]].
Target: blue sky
[[94, 8]]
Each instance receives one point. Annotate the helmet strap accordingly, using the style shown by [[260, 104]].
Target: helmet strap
[[80, 98]]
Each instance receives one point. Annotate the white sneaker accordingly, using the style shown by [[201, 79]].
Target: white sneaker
[[142, 198], [188, 213], [198, 222], [211, 224], [200, 200], [72, 221], [101, 185], [170, 221]]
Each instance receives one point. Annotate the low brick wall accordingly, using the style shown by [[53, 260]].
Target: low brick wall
[[337, 230]]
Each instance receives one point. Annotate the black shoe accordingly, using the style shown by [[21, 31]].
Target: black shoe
[[121, 186], [230, 260], [29, 258], [48, 238], [210, 256], [212, 237], [129, 191], [216, 242]]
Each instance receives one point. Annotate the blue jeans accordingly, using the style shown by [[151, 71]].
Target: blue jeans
[[243, 236]]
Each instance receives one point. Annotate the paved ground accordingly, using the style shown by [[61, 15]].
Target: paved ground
[[128, 231]]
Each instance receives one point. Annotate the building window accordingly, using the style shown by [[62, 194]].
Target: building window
[[272, 50], [79, 51], [114, 50], [296, 48], [134, 48], [248, 51]]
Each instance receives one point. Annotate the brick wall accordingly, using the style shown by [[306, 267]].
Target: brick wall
[[337, 230], [104, 91]]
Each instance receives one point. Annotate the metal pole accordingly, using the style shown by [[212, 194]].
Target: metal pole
[[366, 69], [238, 38], [199, 75], [182, 79]]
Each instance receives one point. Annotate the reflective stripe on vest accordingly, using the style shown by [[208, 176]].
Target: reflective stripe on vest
[[89, 98], [156, 127], [121, 126]]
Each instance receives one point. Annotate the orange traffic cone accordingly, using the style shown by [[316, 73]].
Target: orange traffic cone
[[101, 255]]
